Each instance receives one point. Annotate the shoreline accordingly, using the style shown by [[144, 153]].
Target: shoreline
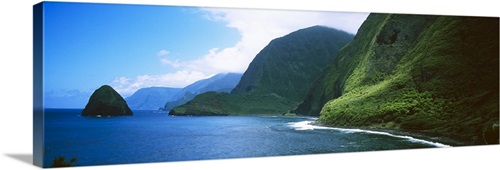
[[442, 140], [419, 136], [398, 132]]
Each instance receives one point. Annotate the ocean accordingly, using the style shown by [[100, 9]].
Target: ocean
[[152, 136]]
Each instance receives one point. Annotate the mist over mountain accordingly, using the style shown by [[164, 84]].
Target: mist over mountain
[[151, 98], [74, 99]]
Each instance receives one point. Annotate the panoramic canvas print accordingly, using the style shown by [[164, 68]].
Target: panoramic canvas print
[[121, 84]]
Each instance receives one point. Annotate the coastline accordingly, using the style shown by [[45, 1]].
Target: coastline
[[433, 138], [419, 136], [427, 137]]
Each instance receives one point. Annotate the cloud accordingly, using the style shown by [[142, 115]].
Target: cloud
[[174, 64], [127, 86], [217, 61], [256, 27], [162, 53]]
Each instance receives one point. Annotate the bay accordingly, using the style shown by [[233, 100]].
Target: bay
[[152, 136]]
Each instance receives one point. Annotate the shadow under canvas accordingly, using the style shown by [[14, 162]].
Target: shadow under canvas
[[26, 158]]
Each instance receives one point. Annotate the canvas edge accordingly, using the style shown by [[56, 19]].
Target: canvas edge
[[38, 123]]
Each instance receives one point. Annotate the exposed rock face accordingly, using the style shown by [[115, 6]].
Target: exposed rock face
[[106, 102], [425, 74]]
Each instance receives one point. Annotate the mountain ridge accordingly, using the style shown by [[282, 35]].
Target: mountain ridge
[[151, 98], [276, 78], [164, 98], [431, 75], [222, 82]]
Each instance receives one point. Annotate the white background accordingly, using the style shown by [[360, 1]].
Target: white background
[[16, 92]]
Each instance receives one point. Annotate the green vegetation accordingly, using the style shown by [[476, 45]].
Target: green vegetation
[[432, 75], [222, 104], [288, 65], [330, 83], [277, 79], [222, 82], [61, 162]]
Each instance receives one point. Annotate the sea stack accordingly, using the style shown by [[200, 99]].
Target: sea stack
[[106, 102]]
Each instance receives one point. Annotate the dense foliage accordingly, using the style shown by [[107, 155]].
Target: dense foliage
[[435, 75], [431, 75]]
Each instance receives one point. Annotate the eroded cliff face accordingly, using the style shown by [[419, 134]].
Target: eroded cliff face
[[433, 75], [106, 102]]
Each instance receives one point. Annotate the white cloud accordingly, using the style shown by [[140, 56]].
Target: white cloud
[[256, 27], [127, 86], [174, 64], [217, 61], [162, 53]]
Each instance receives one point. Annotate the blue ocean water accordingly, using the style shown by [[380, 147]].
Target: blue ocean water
[[151, 136]]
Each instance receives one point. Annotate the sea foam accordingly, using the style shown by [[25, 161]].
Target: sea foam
[[308, 125]]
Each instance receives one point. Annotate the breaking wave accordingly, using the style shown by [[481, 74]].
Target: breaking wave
[[308, 125]]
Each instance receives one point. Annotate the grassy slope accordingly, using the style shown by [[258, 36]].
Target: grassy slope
[[221, 104], [330, 83], [444, 84], [289, 64], [278, 77]]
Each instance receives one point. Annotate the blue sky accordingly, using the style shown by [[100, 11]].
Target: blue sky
[[135, 46]]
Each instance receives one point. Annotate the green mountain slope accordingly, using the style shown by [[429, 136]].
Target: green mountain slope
[[330, 83], [222, 82], [432, 75], [287, 65], [278, 77]]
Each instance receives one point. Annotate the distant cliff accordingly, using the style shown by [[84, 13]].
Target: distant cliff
[[105, 102], [222, 82], [151, 98]]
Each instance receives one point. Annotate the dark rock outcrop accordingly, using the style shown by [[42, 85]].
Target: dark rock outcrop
[[106, 102]]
